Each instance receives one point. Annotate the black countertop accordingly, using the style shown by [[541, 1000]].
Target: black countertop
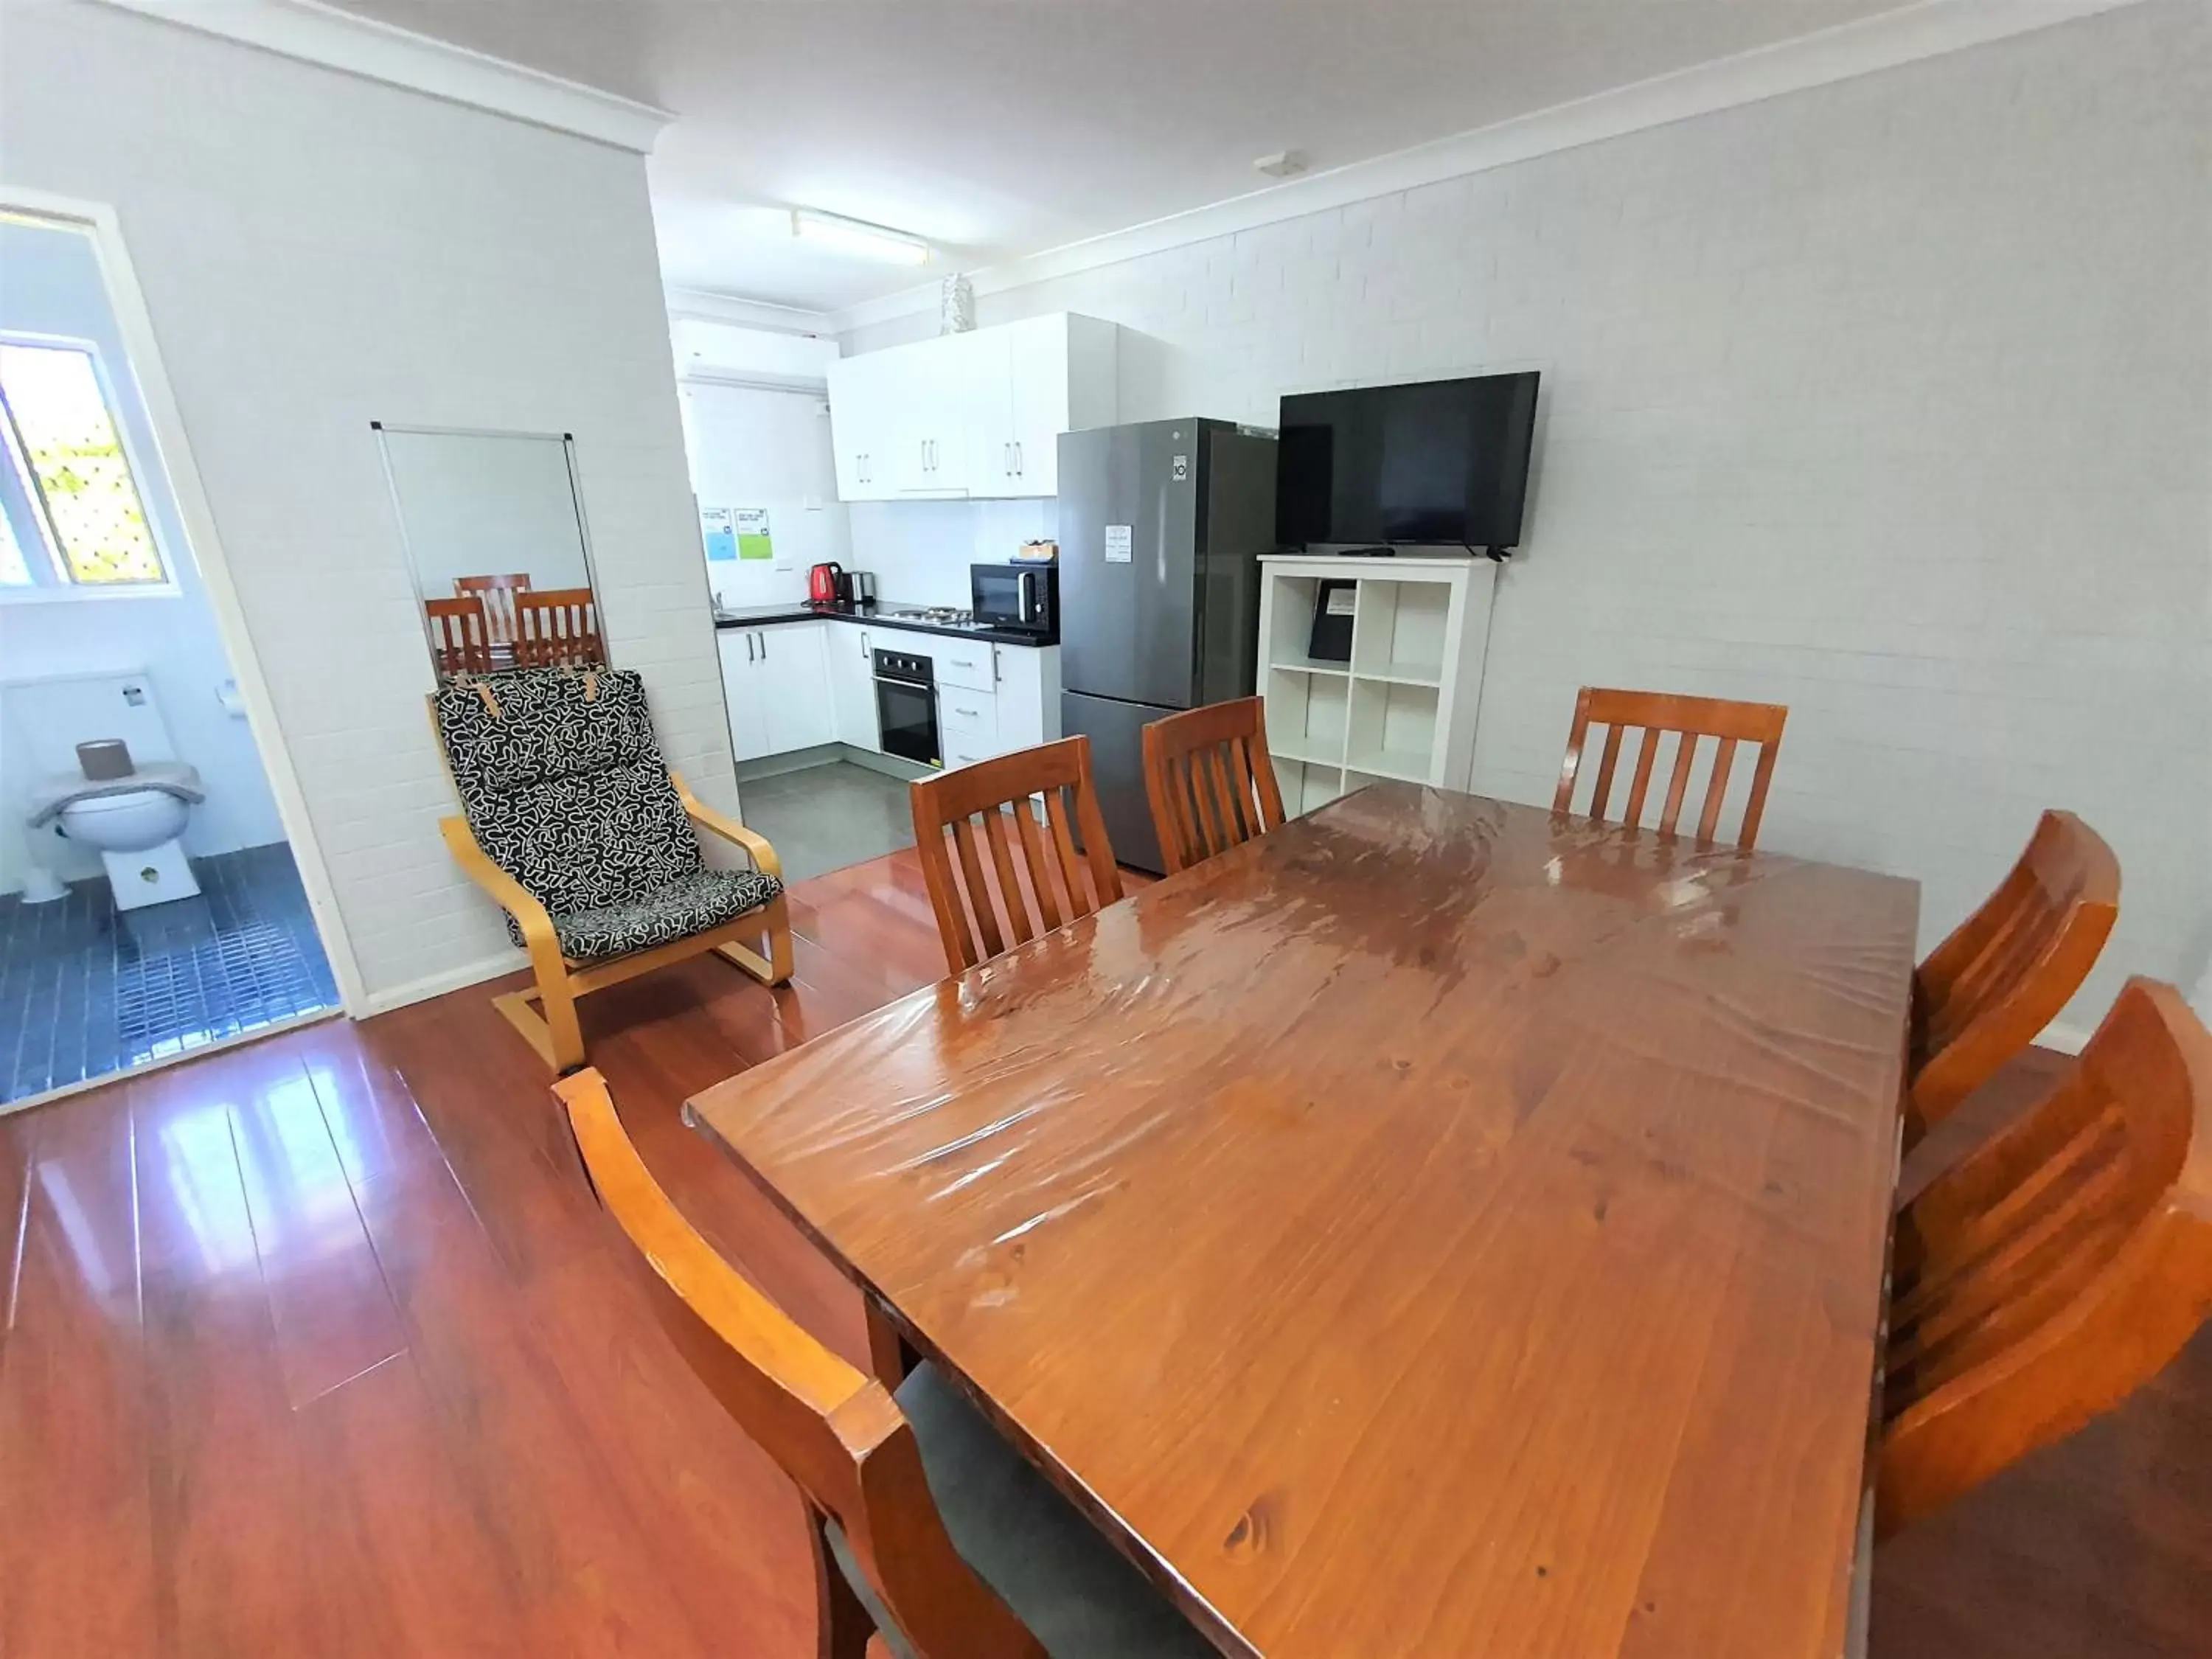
[[760, 616]]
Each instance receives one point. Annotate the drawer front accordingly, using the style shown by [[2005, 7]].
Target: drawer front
[[963, 662], [960, 751], [968, 720]]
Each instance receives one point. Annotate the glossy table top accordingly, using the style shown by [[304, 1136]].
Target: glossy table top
[[1434, 1227]]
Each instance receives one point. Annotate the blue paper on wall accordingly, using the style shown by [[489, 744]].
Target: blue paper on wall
[[718, 528]]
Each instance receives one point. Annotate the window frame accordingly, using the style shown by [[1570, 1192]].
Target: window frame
[[51, 582]]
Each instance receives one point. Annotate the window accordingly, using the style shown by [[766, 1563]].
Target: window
[[70, 512]]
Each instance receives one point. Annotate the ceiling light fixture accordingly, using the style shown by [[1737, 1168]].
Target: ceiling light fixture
[[852, 236]]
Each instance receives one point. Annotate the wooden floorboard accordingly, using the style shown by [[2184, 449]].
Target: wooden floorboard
[[320, 1346]]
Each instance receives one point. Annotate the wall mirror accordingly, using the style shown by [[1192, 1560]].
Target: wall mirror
[[494, 526]]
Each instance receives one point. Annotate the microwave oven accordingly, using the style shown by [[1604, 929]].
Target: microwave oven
[[1018, 596]]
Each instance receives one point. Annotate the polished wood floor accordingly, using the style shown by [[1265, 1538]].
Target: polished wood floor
[[321, 1348]]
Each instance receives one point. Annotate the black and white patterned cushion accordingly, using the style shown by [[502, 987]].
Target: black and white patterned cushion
[[564, 787], [689, 904]]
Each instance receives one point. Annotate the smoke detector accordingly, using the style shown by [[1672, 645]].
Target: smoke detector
[[1283, 164]]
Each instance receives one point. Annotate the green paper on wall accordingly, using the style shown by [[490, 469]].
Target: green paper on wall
[[751, 526]]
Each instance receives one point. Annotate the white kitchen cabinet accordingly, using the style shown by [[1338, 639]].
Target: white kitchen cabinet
[[1046, 376], [864, 425], [977, 414], [998, 700], [1028, 696], [933, 383], [740, 695], [852, 666], [775, 683]]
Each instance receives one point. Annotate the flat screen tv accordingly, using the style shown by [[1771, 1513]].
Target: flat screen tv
[[1433, 463]]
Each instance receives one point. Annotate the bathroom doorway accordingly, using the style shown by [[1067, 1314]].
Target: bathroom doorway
[[151, 905]]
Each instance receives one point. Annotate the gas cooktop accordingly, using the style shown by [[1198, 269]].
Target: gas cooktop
[[938, 616]]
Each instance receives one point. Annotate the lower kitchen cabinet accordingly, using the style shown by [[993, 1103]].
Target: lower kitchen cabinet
[[800, 684], [776, 682], [851, 651]]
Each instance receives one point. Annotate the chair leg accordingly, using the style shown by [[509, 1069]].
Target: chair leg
[[891, 1360], [774, 968], [547, 1021], [843, 1626], [566, 1030]]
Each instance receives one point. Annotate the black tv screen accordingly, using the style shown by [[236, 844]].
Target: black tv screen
[[1436, 462]]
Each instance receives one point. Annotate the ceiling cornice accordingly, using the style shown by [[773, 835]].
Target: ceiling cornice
[[1929, 28], [751, 314], [324, 34]]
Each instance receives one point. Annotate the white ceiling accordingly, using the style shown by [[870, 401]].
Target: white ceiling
[[1002, 129]]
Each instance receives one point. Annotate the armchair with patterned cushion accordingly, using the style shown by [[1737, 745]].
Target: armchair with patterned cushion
[[576, 828]]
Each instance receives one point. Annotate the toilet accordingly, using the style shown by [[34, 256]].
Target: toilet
[[138, 833], [134, 823]]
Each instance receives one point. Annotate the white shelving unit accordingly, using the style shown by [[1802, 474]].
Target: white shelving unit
[[1404, 707]]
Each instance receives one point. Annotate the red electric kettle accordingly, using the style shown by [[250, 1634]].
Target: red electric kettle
[[822, 583]]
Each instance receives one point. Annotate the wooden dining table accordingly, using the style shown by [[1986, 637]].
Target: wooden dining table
[[1435, 1227]]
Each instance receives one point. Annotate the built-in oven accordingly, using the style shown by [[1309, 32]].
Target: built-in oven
[[1024, 596], [906, 706]]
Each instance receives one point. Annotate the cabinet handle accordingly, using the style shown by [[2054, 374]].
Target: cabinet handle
[[749, 647], [763, 647], [1021, 461], [973, 714], [995, 675]]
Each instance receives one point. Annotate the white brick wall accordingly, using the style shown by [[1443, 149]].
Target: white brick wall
[[1890, 400], [319, 251]]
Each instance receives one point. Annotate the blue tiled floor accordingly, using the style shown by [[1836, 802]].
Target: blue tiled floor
[[86, 989]]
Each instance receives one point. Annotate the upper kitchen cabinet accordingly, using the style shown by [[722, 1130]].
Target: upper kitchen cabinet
[[969, 415], [865, 416]]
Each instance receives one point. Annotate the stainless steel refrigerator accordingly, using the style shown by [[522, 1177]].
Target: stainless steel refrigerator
[[1161, 527]]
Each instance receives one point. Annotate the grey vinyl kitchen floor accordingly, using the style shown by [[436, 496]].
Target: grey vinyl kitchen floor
[[825, 817]]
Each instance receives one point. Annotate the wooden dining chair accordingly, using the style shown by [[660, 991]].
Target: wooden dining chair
[[923, 1521], [458, 641], [554, 625], [2059, 1268], [1210, 780], [496, 594], [1034, 882], [2008, 970], [1653, 715]]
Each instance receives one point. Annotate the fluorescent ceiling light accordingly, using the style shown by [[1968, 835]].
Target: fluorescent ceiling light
[[864, 240]]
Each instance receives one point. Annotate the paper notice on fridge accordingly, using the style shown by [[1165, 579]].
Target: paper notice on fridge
[[1117, 544]]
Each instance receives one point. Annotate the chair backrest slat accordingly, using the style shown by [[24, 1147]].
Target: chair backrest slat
[[1652, 714], [972, 900], [496, 594], [837, 1434], [1717, 789], [459, 643], [1039, 866], [1686, 753], [556, 625], [1210, 782], [2011, 967], [2059, 1267], [1018, 899]]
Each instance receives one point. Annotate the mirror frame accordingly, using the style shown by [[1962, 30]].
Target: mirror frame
[[567, 442]]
